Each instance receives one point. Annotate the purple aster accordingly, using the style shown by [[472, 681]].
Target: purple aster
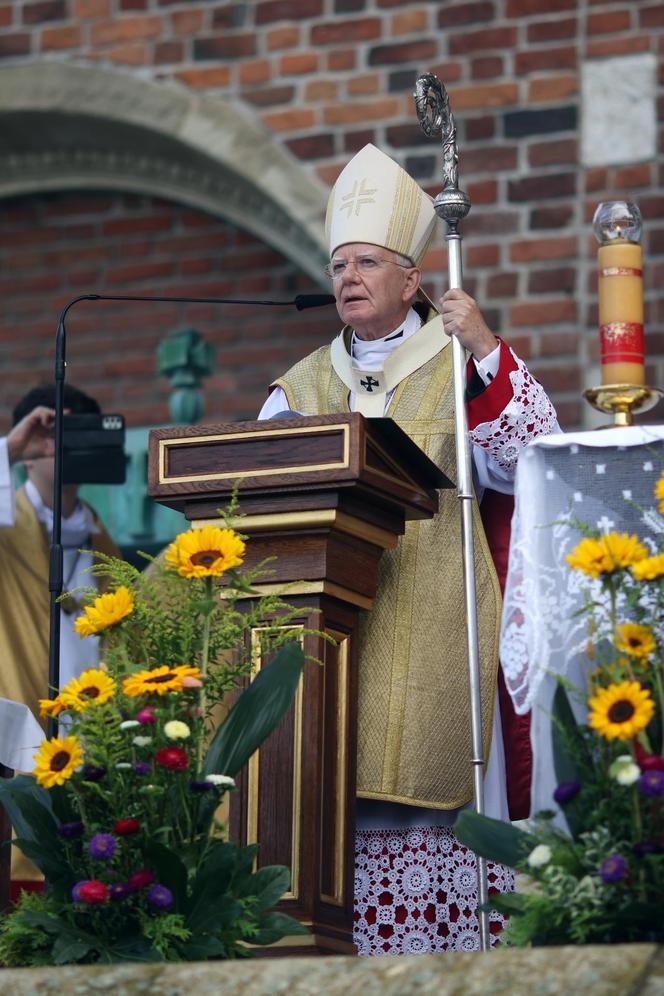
[[565, 792], [74, 829], [142, 768], [201, 786], [119, 890], [92, 773], [613, 869], [75, 891], [103, 845], [652, 783], [159, 896]]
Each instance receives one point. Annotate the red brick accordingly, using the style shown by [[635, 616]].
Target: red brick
[[321, 91], [135, 225], [542, 186], [168, 53], [482, 192], [369, 83], [45, 10], [652, 17], [560, 216], [562, 279], [334, 32], [486, 67], [502, 285], [14, 44], [54, 39], [409, 22], [294, 119], [476, 41], [413, 51], [258, 71], [343, 58], [125, 29], [6, 14], [524, 8], [298, 64], [608, 22], [86, 9], [125, 55], [464, 98], [478, 129], [561, 27], [356, 140], [618, 46], [595, 179], [280, 38], [552, 88], [200, 78], [360, 111], [270, 96], [453, 15], [187, 22], [531, 250], [488, 159], [543, 312], [225, 47], [538, 60], [637, 175], [287, 10], [313, 146], [490, 222], [552, 153], [558, 344]]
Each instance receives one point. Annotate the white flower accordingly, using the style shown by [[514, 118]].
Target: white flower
[[539, 856], [142, 741], [625, 770], [221, 780], [129, 724], [176, 730]]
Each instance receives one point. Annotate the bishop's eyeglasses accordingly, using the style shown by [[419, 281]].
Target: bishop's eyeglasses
[[365, 264]]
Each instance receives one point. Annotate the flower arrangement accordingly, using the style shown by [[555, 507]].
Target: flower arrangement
[[602, 878], [119, 811]]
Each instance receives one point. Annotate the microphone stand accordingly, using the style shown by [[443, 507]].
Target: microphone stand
[[452, 205], [301, 302]]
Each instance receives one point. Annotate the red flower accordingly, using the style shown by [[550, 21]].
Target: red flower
[[651, 762], [140, 879], [146, 716], [172, 757], [123, 827], [93, 891]]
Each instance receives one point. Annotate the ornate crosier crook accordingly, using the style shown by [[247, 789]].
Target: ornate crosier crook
[[452, 205]]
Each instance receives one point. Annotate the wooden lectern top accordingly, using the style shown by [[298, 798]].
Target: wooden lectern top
[[200, 465]]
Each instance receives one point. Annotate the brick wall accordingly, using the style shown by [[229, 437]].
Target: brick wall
[[326, 76]]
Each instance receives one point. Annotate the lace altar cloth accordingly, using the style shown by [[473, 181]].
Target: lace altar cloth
[[606, 480], [416, 892]]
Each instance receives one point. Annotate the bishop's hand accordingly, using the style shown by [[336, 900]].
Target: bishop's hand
[[462, 318]]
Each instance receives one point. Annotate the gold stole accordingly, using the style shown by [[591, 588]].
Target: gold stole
[[414, 743]]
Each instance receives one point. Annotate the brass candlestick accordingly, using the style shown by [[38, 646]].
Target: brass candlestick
[[623, 401]]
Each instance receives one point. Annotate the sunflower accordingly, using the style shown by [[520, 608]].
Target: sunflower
[[92, 687], [606, 554], [620, 711], [206, 552], [105, 611], [57, 760], [659, 492], [160, 680], [50, 707], [634, 639], [649, 569]]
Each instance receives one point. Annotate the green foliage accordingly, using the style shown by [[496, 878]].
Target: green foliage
[[155, 770]]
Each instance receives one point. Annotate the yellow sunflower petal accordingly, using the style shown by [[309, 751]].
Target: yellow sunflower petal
[[609, 553], [649, 569], [590, 557], [105, 611], [206, 552], [158, 680], [634, 639], [50, 707], [57, 761], [659, 492], [620, 711], [92, 687]]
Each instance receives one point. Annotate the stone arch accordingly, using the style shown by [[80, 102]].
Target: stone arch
[[67, 126]]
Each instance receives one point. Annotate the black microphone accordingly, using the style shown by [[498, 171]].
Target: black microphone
[[301, 302]]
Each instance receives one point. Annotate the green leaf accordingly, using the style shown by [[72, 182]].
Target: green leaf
[[569, 748], [257, 711], [202, 948], [28, 807], [507, 903], [68, 949], [493, 839], [268, 885], [273, 926]]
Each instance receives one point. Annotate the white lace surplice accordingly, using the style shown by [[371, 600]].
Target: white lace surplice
[[605, 479]]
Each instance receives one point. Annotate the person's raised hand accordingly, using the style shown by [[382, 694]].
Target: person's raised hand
[[32, 437], [462, 318]]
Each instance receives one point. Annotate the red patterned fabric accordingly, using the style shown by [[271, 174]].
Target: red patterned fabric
[[416, 892]]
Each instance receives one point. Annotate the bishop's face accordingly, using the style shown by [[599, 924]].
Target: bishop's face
[[372, 289]]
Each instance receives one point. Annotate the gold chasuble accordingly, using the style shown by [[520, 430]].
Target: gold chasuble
[[414, 742], [25, 604]]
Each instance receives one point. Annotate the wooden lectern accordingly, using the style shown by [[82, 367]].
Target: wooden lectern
[[323, 495]]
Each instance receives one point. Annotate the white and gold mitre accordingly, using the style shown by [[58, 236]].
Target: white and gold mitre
[[374, 200]]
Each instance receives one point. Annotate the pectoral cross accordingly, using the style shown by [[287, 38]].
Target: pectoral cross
[[369, 384]]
